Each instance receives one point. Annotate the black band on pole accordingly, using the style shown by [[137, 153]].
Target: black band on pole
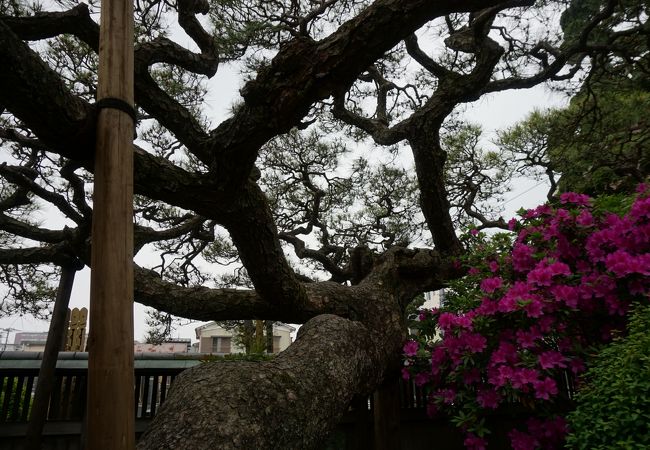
[[117, 103]]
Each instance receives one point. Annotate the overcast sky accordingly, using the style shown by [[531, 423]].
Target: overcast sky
[[493, 112]]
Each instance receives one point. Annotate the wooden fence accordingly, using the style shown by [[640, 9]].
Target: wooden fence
[[154, 374], [65, 424]]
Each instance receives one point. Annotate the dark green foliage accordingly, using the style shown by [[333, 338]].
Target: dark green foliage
[[15, 396], [614, 406]]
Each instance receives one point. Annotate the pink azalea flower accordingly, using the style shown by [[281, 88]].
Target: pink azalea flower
[[559, 268], [507, 304], [541, 210], [566, 250], [446, 395], [541, 275], [504, 375], [411, 348], [585, 219], [463, 321], [545, 388], [621, 263], [527, 339], [506, 353], [640, 208], [474, 342], [577, 199], [522, 441], [473, 442], [534, 308], [446, 321], [490, 285], [522, 257], [421, 379], [405, 373], [567, 294], [550, 359], [487, 307], [577, 366], [522, 377], [438, 356], [596, 243], [562, 215], [488, 398]]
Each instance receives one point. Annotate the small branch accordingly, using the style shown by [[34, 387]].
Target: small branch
[[414, 50], [146, 235], [16, 175], [337, 274]]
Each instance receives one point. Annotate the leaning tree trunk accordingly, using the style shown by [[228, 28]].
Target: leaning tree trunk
[[46, 374], [290, 402]]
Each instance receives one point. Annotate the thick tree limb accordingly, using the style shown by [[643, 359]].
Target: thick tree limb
[[332, 360], [75, 21], [305, 71], [202, 303], [29, 231], [35, 94], [57, 254], [187, 10]]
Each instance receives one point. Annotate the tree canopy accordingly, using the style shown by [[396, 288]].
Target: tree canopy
[[323, 235]]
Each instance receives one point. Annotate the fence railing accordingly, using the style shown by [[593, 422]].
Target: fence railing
[[154, 375]]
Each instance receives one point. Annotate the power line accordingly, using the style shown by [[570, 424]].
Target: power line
[[525, 192]]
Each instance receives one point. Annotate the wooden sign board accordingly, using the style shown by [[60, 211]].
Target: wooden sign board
[[76, 336]]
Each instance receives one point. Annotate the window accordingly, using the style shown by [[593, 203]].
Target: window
[[221, 344]]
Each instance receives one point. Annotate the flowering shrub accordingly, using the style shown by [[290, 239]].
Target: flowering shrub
[[519, 329]]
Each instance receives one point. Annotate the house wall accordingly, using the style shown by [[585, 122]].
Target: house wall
[[206, 334], [211, 331], [285, 336]]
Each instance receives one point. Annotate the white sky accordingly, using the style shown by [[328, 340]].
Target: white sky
[[493, 112]]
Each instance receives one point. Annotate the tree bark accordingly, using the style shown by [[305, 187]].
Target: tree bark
[[55, 337], [298, 397]]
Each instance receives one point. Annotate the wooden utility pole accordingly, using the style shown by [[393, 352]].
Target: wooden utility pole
[[110, 409]]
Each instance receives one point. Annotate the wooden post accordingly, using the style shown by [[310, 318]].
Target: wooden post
[[387, 415], [110, 412], [45, 384]]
